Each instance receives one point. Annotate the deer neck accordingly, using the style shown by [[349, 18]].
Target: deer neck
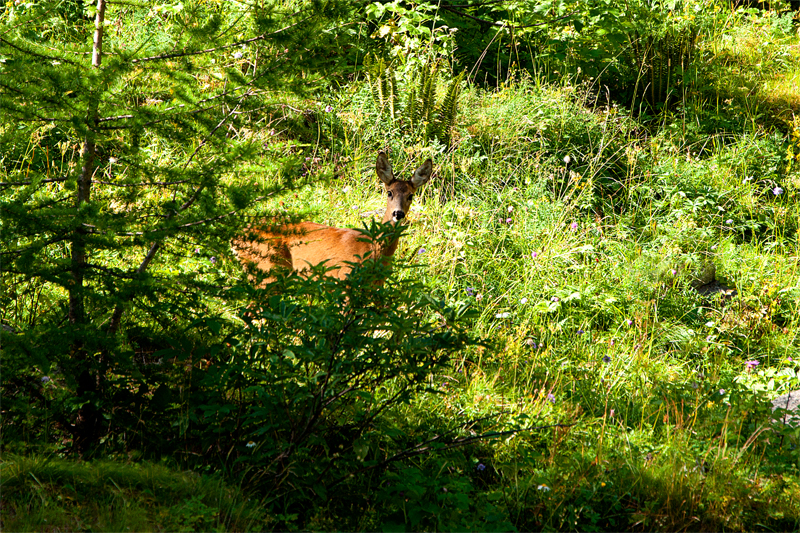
[[391, 247]]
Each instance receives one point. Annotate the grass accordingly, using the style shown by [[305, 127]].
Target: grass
[[584, 278], [626, 398], [50, 494]]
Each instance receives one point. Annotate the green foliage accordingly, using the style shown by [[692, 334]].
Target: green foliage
[[44, 493], [422, 112], [635, 278], [640, 50], [117, 168], [301, 404]]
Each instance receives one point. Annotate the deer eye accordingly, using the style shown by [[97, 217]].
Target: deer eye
[[410, 197], [390, 194]]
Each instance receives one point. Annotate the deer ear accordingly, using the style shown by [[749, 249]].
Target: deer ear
[[384, 169], [422, 174]]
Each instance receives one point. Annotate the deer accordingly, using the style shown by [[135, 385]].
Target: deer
[[299, 246]]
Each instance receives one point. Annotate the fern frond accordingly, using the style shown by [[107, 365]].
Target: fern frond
[[411, 106], [392, 96]]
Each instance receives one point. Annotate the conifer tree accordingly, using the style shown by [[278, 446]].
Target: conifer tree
[[120, 151]]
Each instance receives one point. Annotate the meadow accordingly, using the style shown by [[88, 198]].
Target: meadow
[[592, 307]]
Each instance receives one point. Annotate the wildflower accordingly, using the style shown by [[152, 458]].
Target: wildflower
[[580, 332], [479, 297], [673, 271], [554, 299], [751, 364], [502, 315], [543, 487], [237, 55], [251, 444], [511, 209], [612, 342], [197, 250], [421, 251], [573, 226], [213, 260], [481, 467], [729, 221], [551, 398], [611, 414], [721, 392], [45, 379], [606, 359], [509, 220], [112, 160], [470, 291], [777, 191], [328, 108], [534, 255], [523, 301]]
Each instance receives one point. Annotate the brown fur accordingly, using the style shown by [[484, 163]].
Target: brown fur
[[307, 243]]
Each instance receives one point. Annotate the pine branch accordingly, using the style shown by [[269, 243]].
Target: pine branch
[[116, 317], [225, 47]]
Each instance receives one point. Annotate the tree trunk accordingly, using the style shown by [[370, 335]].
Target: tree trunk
[[88, 420]]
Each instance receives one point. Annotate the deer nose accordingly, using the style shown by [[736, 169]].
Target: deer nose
[[399, 215]]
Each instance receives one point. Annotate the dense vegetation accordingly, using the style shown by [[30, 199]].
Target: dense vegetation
[[588, 317]]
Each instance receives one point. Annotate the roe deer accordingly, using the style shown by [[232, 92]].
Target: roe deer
[[305, 244]]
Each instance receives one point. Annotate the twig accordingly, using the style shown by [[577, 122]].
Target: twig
[[425, 446], [207, 50], [503, 24]]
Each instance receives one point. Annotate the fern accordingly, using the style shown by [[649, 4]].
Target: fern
[[383, 85], [411, 106], [392, 97], [428, 95], [420, 111], [446, 113]]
